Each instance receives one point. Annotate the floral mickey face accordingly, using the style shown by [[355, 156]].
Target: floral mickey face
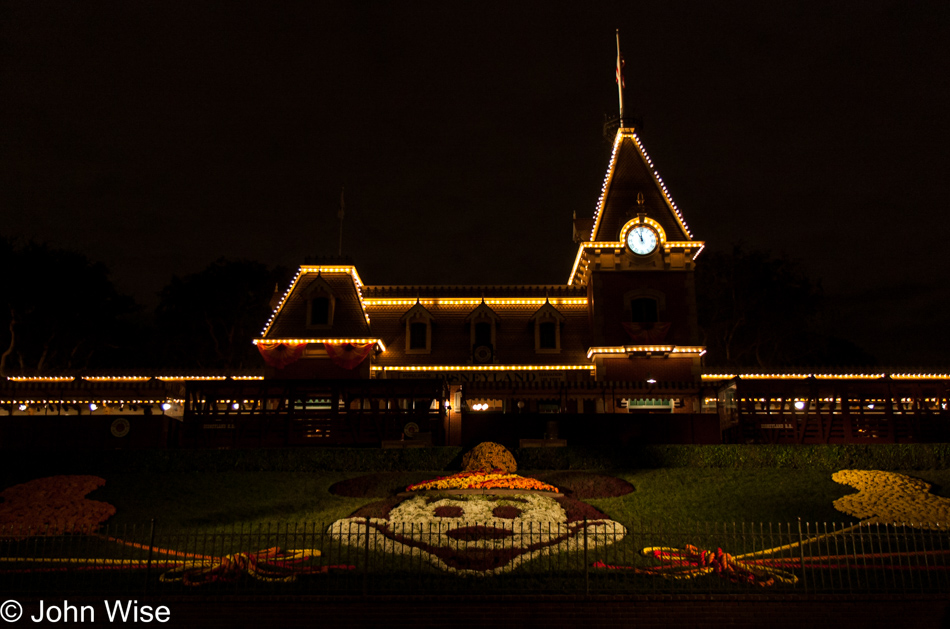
[[481, 534]]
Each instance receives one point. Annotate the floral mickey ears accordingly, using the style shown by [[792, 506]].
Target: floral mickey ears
[[891, 498]]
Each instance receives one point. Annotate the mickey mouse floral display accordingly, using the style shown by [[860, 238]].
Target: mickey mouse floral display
[[478, 534], [888, 497], [884, 498], [52, 506]]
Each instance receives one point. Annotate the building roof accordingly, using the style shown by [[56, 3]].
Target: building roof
[[349, 318], [630, 174], [451, 334], [528, 291]]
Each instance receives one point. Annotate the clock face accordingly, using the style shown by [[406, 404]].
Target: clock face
[[641, 240]]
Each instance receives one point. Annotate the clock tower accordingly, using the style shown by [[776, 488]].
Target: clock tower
[[636, 257]]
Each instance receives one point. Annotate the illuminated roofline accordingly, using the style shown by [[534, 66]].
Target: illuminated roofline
[[602, 201], [631, 133], [667, 245], [829, 376], [475, 301], [83, 402], [303, 270], [363, 341], [377, 368], [125, 378], [633, 349]]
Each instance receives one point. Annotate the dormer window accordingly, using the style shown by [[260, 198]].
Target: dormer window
[[418, 322], [547, 335], [482, 325], [320, 304], [483, 333], [319, 311], [547, 329], [418, 335]]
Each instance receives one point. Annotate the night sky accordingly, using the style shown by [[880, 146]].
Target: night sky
[[160, 136]]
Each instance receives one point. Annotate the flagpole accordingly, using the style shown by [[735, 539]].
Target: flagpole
[[620, 77]]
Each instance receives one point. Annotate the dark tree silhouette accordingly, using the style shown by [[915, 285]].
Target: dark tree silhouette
[[210, 318], [58, 310], [763, 311]]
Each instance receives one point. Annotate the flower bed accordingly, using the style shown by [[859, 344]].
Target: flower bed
[[495, 479], [889, 497], [52, 506], [480, 534]]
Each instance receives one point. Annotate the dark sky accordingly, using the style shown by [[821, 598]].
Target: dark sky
[[160, 136]]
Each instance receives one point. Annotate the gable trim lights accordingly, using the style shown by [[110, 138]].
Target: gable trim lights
[[475, 301], [378, 368], [828, 376], [645, 349], [363, 341], [304, 270]]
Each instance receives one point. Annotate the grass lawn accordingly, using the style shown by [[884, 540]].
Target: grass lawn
[[671, 497]]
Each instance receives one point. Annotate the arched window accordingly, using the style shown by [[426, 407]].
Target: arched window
[[644, 310]]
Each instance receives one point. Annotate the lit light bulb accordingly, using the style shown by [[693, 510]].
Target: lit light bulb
[[93, 407], [166, 406]]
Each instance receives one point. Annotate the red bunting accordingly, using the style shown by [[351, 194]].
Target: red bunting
[[348, 355], [279, 355], [647, 333]]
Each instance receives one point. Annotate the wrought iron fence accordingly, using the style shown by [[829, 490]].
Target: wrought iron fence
[[356, 556]]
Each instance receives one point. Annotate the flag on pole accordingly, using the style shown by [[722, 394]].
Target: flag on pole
[[619, 77]]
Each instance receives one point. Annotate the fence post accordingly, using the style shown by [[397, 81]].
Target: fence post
[[801, 553], [366, 561], [151, 545], [586, 566]]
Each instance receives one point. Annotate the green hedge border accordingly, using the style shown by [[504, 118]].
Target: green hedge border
[[923, 456], [21, 463]]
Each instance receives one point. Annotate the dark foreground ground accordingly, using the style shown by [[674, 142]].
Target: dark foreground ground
[[839, 612]]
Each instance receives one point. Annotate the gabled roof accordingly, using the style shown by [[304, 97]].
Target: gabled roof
[[350, 320], [451, 335], [549, 311], [417, 311], [482, 311], [631, 173]]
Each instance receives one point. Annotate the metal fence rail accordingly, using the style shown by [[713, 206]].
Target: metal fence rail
[[355, 556]]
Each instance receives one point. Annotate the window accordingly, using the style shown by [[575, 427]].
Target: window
[[547, 322], [418, 332], [483, 333], [643, 310], [320, 311], [483, 324], [418, 322]]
